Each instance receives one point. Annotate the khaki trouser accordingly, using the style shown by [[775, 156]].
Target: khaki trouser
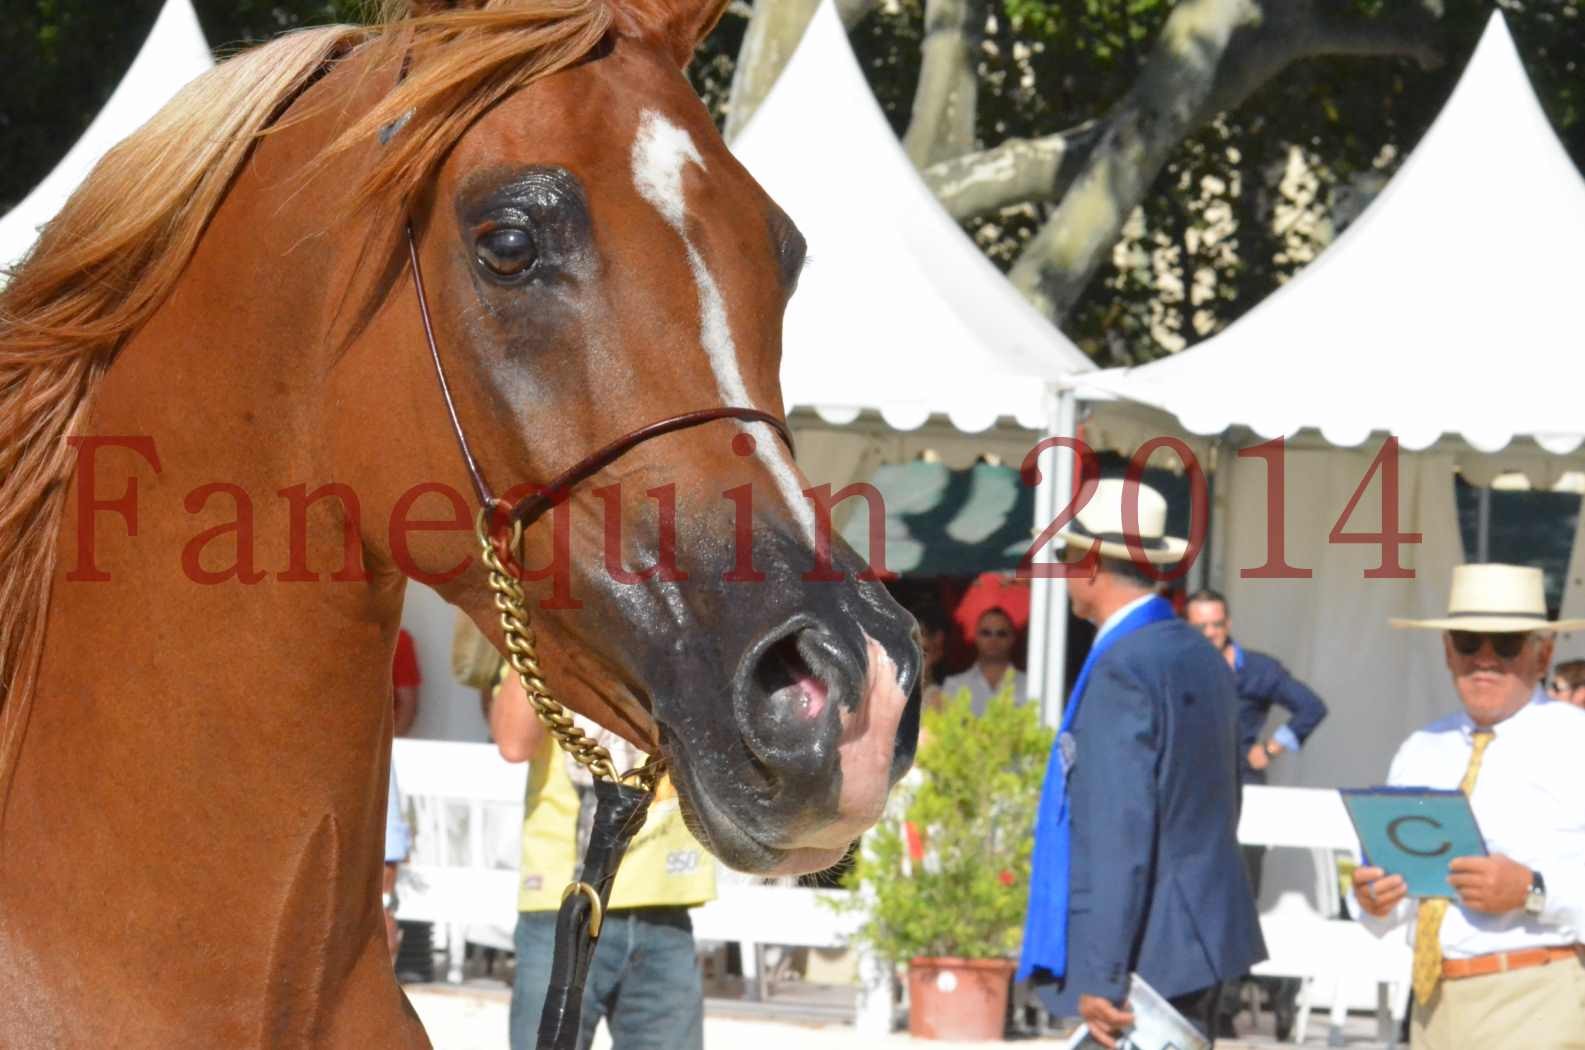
[[1538, 1008]]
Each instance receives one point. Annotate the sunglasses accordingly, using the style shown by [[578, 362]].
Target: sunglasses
[[1506, 646]]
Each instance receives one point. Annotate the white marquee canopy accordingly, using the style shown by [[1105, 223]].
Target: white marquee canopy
[[174, 53], [1450, 306], [897, 310]]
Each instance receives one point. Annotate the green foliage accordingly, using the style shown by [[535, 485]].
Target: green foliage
[[975, 801], [232, 24]]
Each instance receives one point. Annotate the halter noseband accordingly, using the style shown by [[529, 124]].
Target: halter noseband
[[528, 509]]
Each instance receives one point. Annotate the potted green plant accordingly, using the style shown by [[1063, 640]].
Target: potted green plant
[[944, 881]]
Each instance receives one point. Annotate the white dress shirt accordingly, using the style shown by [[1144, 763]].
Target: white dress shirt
[[1111, 622], [1529, 801], [981, 690]]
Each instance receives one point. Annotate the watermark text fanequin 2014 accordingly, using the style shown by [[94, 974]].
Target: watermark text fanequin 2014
[[203, 555]]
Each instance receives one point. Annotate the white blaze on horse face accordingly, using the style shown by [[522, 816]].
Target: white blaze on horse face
[[661, 151]]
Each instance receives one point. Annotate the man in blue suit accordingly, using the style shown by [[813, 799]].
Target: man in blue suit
[[1137, 866], [1262, 682]]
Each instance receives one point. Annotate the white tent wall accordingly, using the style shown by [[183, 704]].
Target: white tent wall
[[1331, 630], [174, 53]]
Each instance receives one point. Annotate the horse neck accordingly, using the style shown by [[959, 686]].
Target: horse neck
[[210, 631]]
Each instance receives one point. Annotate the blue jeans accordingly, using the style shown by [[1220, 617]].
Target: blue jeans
[[644, 980]]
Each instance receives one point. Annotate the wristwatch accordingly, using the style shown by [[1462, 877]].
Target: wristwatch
[[389, 901], [1535, 900]]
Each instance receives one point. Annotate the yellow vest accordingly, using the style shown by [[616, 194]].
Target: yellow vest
[[665, 866]]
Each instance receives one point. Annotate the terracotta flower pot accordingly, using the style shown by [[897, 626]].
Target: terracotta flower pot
[[958, 999]]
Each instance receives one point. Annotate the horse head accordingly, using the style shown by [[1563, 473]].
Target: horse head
[[594, 260]]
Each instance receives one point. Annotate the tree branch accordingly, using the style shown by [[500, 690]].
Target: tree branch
[[1210, 57], [1018, 171], [853, 12], [1164, 104], [1411, 37], [942, 122], [774, 30]]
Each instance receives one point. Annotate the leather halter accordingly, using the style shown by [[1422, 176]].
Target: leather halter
[[536, 503]]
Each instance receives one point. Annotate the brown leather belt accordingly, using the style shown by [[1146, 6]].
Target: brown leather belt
[[1502, 962]]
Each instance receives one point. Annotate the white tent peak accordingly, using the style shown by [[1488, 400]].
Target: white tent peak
[[174, 53], [1450, 306], [897, 309]]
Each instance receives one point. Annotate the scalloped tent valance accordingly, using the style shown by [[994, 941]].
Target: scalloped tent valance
[[1447, 314]]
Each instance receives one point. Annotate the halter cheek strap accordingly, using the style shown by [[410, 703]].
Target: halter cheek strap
[[531, 507]]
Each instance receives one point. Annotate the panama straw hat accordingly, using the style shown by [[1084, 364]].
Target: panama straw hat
[[1496, 599], [1099, 523]]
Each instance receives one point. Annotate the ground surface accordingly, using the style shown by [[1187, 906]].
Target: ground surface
[[472, 1016]]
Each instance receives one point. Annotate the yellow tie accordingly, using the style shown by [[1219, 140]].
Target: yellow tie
[[1428, 923]]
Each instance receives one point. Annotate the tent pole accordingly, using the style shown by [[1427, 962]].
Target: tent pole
[[1048, 599], [1483, 524], [1218, 491], [1200, 573]]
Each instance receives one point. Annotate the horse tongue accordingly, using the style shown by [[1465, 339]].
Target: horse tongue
[[804, 699]]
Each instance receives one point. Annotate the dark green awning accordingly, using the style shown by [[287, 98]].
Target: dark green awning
[[942, 522]]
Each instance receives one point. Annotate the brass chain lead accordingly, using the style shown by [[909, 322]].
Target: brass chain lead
[[522, 654]]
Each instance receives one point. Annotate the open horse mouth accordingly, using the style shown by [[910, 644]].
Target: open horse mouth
[[823, 735]]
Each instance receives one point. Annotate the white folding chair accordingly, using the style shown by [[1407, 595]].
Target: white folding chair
[[1304, 937]]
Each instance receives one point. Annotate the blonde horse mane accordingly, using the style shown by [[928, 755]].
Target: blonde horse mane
[[108, 261]]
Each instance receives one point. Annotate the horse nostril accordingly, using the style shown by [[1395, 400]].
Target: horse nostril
[[789, 685], [788, 702]]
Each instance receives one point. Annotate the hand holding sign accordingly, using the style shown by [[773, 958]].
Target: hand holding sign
[[1493, 885], [1377, 892], [1415, 833]]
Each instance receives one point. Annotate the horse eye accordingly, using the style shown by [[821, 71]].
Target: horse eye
[[507, 252]]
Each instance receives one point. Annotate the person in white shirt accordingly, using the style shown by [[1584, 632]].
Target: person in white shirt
[[993, 669], [1502, 965]]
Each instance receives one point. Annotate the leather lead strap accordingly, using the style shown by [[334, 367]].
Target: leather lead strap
[[618, 815]]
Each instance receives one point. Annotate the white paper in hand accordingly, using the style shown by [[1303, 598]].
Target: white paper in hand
[[1157, 1026]]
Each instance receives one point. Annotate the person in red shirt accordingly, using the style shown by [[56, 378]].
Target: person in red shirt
[[404, 682]]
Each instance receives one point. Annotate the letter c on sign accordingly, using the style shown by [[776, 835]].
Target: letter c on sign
[[1392, 833]]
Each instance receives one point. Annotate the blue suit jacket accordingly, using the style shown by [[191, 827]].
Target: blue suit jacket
[[1263, 681], [1158, 884]]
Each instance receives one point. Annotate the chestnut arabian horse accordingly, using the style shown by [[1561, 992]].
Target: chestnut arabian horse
[[224, 448]]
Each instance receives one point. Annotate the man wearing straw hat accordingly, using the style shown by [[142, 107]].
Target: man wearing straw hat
[[1502, 964], [1136, 861]]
